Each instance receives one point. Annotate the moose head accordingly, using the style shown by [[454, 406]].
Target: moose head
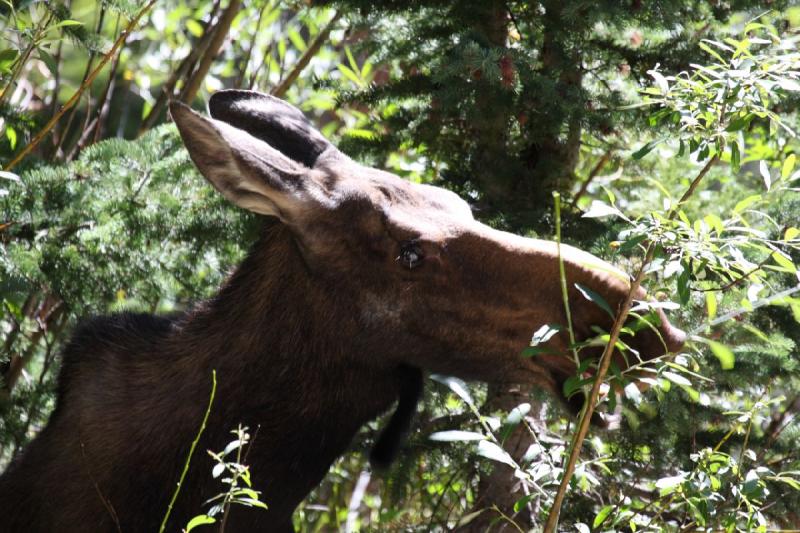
[[360, 281], [442, 291]]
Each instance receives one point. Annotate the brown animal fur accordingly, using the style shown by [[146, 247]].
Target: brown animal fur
[[360, 278]]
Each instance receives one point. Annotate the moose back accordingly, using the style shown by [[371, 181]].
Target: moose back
[[360, 281]]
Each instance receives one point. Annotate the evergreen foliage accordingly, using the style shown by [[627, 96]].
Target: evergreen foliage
[[503, 102], [500, 96], [128, 226]]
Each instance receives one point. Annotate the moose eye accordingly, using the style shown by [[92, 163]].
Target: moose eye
[[411, 255]]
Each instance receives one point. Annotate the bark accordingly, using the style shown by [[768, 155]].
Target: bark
[[219, 35], [551, 168], [499, 490]]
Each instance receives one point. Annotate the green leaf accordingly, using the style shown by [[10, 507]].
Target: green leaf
[[630, 244], [646, 149], [492, 451], [252, 502], [6, 175], [668, 484], [456, 436], [592, 296], [522, 502], [67, 22], [602, 515], [544, 334], [789, 481], [661, 81], [784, 261], [677, 379], [194, 27], [736, 156], [199, 520], [349, 74], [740, 122], [11, 135], [791, 233], [297, 40], [455, 385], [600, 209], [711, 305], [712, 52], [574, 384], [723, 353], [764, 170], [788, 166], [7, 58], [747, 202]]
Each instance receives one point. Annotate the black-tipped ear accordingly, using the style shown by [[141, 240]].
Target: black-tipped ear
[[247, 171], [277, 123]]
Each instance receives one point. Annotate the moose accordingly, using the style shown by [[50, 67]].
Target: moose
[[360, 282]]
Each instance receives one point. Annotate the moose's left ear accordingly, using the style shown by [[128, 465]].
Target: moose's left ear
[[277, 123], [247, 171]]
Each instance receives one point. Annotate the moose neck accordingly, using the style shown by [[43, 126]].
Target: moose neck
[[274, 322]]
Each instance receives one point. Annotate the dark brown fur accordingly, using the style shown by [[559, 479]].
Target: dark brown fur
[[320, 330]]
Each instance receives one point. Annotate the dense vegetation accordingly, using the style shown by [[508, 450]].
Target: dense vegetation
[[667, 129]]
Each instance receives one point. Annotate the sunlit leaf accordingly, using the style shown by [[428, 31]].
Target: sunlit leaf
[[764, 170], [199, 520], [711, 305], [676, 378], [456, 436], [788, 166], [784, 261], [596, 298], [600, 209], [602, 515], [492, 451], [723, 353], [660, 80]]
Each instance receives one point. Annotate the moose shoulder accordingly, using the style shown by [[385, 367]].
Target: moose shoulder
[[359, 280]]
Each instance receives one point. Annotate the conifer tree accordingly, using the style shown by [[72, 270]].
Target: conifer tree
[[509, 101]]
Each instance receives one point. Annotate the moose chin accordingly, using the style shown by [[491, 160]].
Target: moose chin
[[359, 284]]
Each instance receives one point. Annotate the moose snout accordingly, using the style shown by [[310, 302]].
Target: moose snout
[[675, 339]]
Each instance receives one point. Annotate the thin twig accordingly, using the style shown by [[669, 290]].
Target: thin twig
[[220, 33], [191, 451], [563, 278], [605, 360], [184, 68], [245, 62], [305, 59], [23, 59], [86, 83], [592, 175], [59, 148]]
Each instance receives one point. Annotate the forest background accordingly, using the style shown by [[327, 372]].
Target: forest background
[[667, 128]]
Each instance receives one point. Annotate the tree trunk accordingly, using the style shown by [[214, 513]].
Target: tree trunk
[[499, 490], [551, 168]]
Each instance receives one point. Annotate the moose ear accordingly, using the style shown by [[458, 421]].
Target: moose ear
[[246, 170], [277, 123]]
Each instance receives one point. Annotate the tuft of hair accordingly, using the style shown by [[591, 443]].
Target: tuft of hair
[[391, 439]]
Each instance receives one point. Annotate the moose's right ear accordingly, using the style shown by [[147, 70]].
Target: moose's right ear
[[274, 121], [246, 170]]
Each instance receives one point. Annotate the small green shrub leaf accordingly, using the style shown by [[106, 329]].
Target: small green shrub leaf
[[456, 436], [199, 520], [723, 353]]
